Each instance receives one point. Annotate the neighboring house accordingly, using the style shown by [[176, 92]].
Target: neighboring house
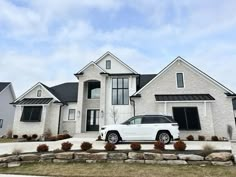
[[109, 92], [7, 95]]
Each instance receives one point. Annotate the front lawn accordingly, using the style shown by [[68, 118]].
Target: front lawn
[[120, 170], [7, 140]]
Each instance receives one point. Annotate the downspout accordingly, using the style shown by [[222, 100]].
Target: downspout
[[59, 122], [133, 105]]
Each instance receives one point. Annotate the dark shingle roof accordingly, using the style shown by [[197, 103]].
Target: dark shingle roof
[[66, 92], [143, 79], [3, 85], [183, 97]]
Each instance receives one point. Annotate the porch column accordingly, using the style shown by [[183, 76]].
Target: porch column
[[79, 117], [102, 118]]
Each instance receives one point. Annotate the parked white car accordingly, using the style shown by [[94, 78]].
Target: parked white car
[[142, 128]]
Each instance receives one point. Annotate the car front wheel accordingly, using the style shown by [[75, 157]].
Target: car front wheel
[[164, 137], [113, 137]]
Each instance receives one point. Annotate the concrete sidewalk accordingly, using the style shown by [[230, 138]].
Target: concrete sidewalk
[[7, 148]]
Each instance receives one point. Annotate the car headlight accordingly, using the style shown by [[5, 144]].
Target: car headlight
[[103, 128]]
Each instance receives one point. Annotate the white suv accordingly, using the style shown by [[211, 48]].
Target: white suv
[[143, 127]]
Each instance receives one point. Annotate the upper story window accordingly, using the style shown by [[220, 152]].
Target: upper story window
[[108, 64], [31, 114], [71, 115], [93, 90], [180, 80], [120, 91], [39, 93]]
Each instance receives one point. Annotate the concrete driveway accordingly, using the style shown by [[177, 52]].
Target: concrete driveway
[[7, 148]]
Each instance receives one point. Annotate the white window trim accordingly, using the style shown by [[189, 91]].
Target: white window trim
[[177, 80]]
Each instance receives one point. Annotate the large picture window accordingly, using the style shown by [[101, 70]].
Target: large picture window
[[187, 118], [120, 91], [93, 90], [31, 114]]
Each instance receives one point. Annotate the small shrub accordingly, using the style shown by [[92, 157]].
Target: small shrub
[[207, 149], [135, 146], [25, 136], [9, 134], [34, 136], [99, 138], [214, 138], [179, 145], [15, 136], [190, 138], [66, 146], [16, 151], [42, 148], [86, 146], [159, 145], [110, 147], [201, 138], [29, 138]]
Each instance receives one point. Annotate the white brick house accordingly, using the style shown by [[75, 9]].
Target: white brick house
[[108, 87]]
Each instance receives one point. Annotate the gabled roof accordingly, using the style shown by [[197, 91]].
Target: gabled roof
[[192, 67], [117, 59], [143, 79], [3, 85], [66, 92], [91, 63]]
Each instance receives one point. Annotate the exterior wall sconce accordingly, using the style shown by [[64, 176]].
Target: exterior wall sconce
[[78, 114], [102, 114]]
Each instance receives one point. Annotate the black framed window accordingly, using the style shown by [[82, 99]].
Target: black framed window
[[120, 91], [180, 80], [93, 90], [31, 114], [108, 64], [71, 114], [187, 118], [39, 93], [1, 123]]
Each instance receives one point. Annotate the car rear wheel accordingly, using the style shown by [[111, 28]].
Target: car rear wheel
[[113, 137], [164, 137]]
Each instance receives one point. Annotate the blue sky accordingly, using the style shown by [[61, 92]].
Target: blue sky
[[50, 40]]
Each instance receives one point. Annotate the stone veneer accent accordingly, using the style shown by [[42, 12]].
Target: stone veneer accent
[[219, 158]]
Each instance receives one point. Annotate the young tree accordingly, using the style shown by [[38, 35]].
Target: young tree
[[114, 113]]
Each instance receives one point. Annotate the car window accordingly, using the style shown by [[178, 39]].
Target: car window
[[163, 120], [136, 120], [155, 120]]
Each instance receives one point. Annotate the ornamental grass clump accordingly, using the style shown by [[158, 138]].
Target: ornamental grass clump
[[135, 146], [86, 146], [110, 147], [159, 145], [179, 146]]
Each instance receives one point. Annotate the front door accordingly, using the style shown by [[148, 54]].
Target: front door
[[93, 120]]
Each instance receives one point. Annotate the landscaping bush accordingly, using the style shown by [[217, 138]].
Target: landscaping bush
[[179, 145], [190, 138], [135, 146], [29, 138], [66, 146], [25, 136], [51, 138], [34, 136], [60, 137], [159, 145], [42, 148], [85, 146], [66, 136], [214, 138], [201, 138], [110, 147], [15, 136], [99, 138], [207, 149]]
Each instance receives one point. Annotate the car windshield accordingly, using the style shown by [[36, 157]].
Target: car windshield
[[128, 121]]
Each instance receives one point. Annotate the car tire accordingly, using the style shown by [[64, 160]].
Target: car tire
[[164, 136], [113, 137]]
